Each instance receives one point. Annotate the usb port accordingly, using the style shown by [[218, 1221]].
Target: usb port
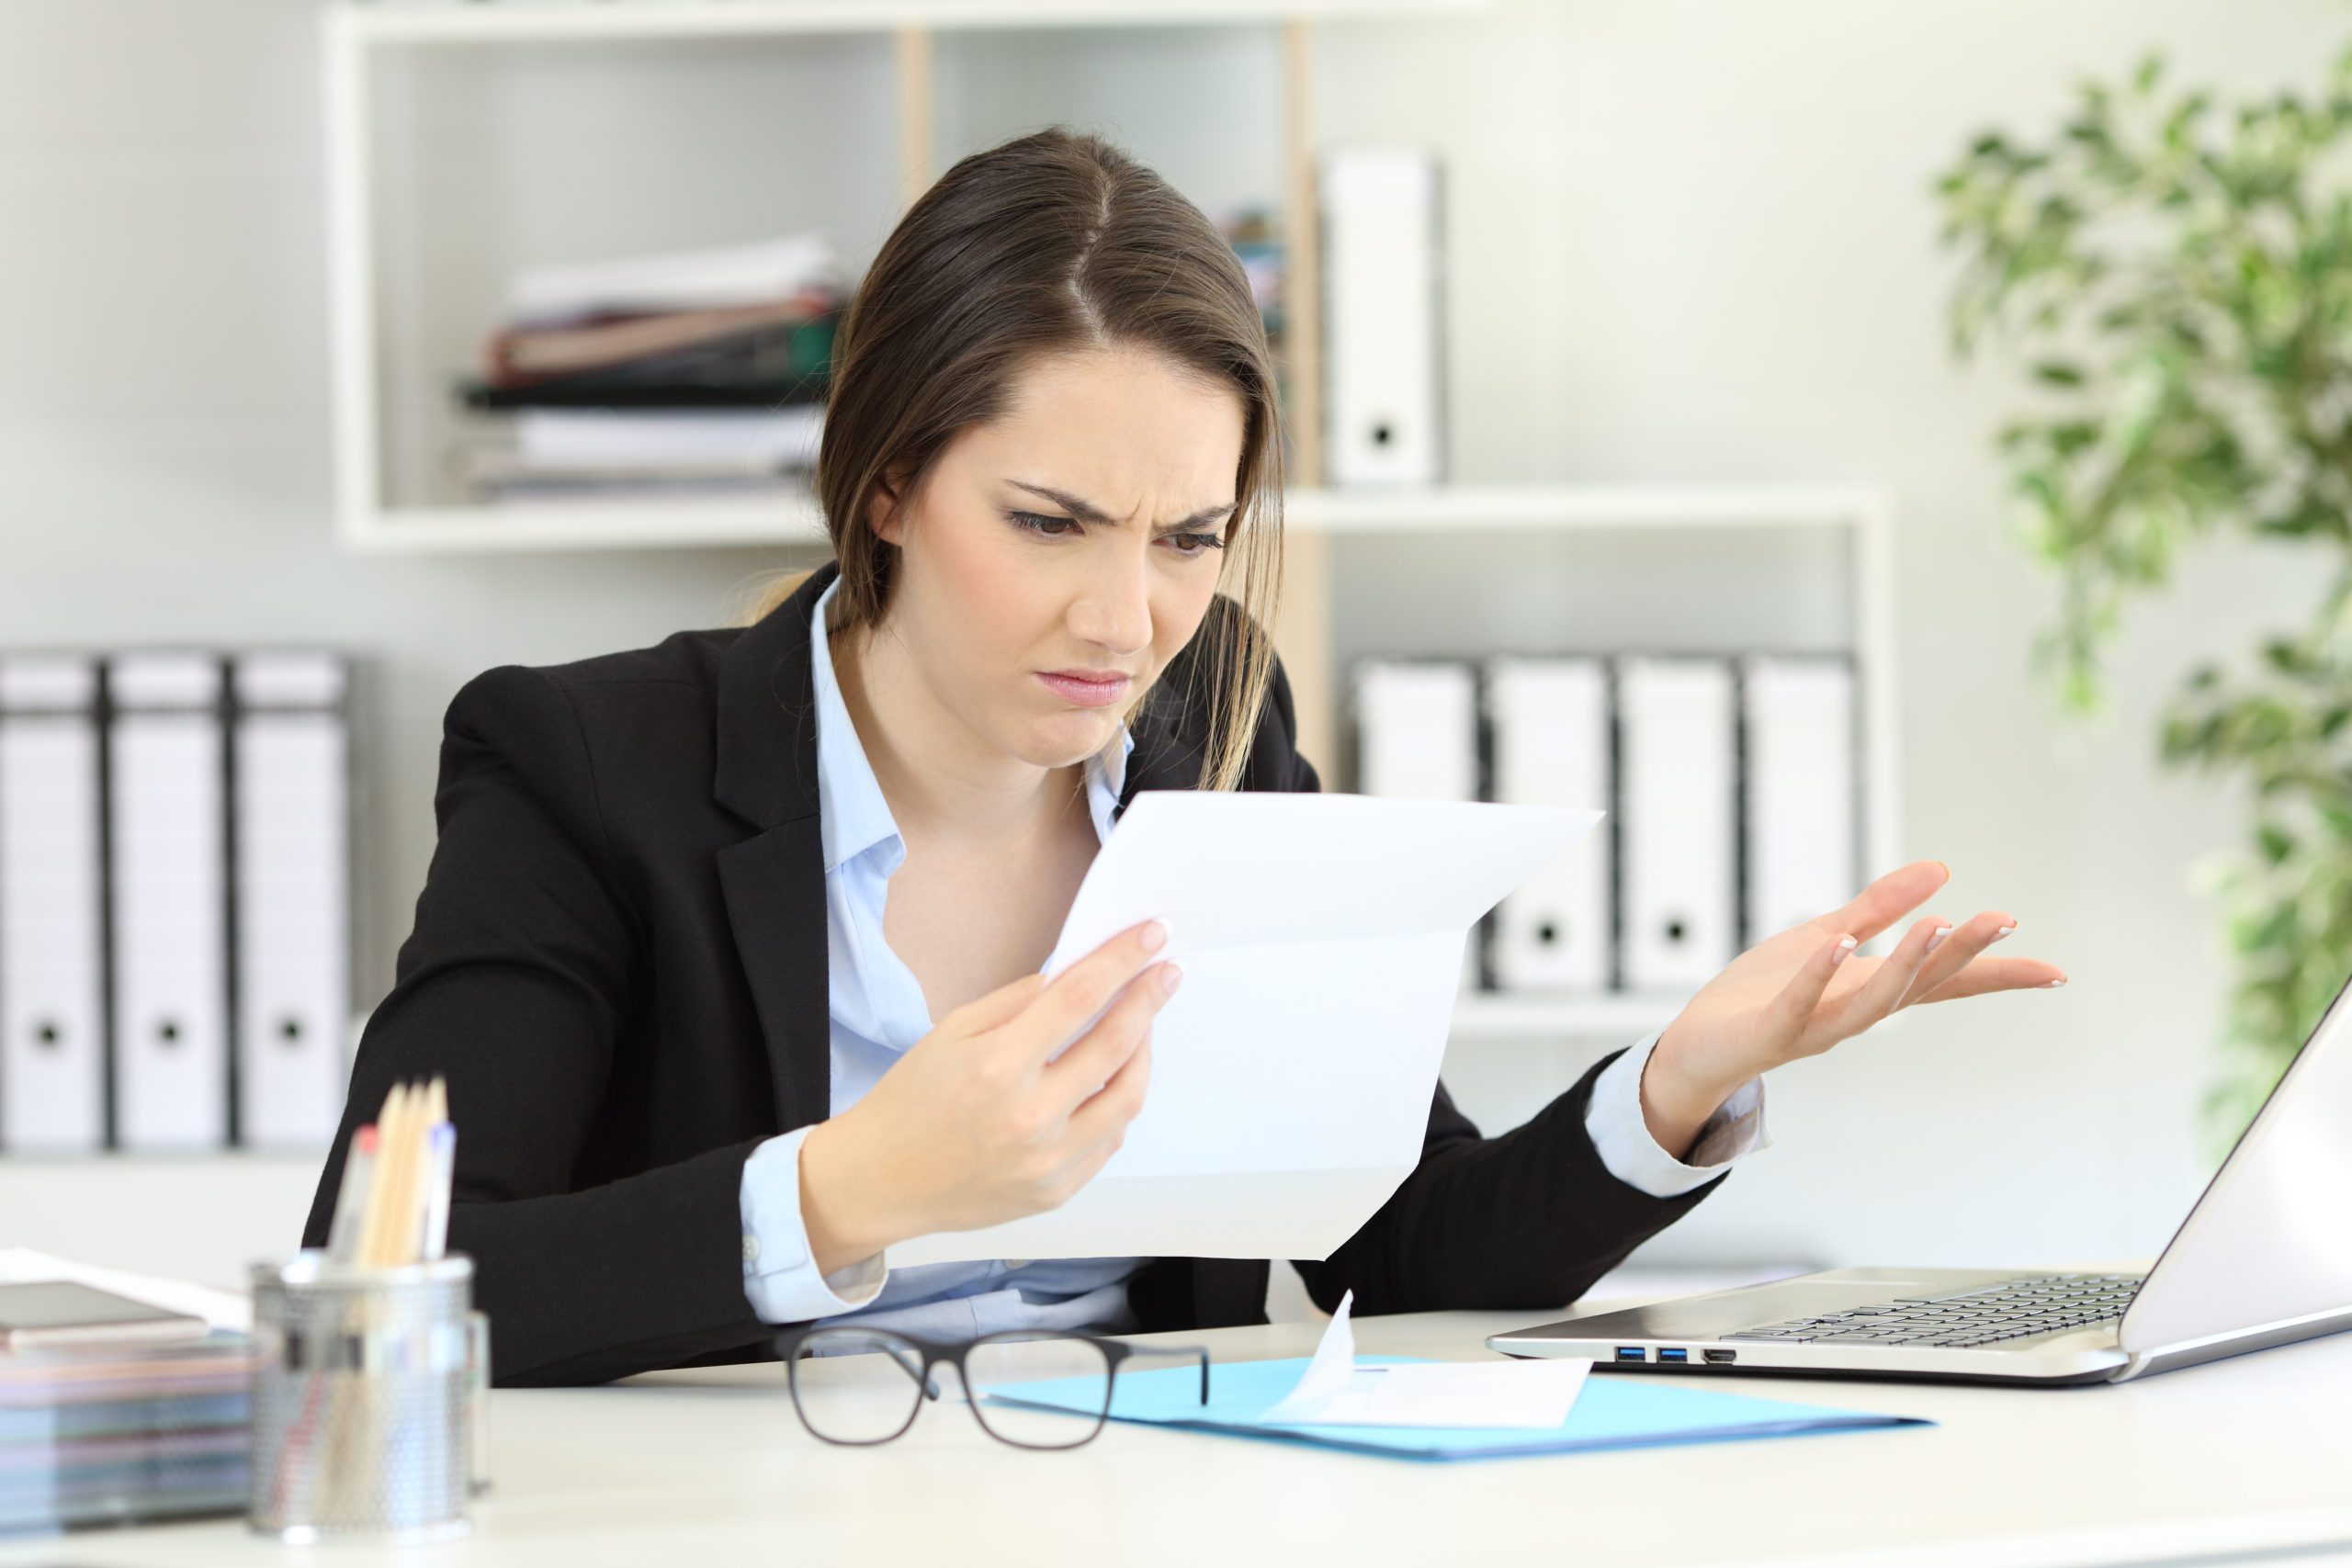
[[1721, 1358], [1675, 1354], [1632, 1353]]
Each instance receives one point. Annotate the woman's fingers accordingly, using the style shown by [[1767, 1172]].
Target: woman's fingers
[[1103, 1050], [1985, 976], [999, 1006], [1890, 898], [1787, 1016], [1104, 1115], [1953, 953], [1883, 990], [1072, 999]]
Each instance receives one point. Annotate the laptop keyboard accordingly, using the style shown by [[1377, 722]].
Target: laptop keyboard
[[2012, 1309]]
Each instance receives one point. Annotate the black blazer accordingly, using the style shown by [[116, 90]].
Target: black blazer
[[619, 963]]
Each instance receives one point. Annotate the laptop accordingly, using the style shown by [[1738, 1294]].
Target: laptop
[[2264, 1259]]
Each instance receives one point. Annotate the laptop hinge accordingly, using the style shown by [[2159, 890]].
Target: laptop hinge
[[2236, 1342]]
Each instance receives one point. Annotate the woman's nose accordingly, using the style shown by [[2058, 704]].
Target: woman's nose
[[1114, 611]]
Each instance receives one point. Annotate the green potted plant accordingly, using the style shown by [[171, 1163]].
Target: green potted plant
[[2178, 275]]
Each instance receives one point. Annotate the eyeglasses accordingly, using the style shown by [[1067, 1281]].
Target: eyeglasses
[[861, 1411]]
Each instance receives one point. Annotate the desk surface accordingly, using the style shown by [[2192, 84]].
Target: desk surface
[[683, 1469]]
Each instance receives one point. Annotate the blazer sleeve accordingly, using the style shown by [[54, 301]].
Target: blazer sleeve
[[515, 986], [1528, 1220]]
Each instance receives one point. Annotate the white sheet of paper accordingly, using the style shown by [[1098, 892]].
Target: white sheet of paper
[[1335, 1392], [1321, 937]]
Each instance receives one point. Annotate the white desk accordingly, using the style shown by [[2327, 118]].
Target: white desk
[[684, 1470]]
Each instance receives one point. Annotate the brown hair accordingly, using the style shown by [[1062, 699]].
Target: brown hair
[[1053, 242]]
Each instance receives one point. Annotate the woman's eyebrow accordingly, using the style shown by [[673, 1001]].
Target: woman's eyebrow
[[1087, 512]]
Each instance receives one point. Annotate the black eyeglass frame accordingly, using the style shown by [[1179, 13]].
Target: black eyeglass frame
[[955, 1353]]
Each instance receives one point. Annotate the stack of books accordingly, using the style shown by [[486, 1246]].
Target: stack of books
[[698, 370], [123, 1433]]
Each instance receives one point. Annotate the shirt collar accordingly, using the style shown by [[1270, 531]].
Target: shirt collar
[[851, 813]]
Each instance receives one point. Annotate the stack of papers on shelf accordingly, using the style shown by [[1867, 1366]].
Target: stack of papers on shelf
[[128, 1433], [692, 370]]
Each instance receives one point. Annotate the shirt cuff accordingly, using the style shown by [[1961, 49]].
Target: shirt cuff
[[780, 1275], [1614, 1121]]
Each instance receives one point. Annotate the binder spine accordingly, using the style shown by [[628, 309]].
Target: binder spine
[[291, 953], [169, 872], [53, 1036]]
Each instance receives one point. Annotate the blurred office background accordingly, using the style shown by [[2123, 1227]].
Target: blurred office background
[[1686, 243]]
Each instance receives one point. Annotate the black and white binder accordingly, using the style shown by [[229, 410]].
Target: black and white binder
[[52, 936], [1549, 718], [1677, 794], [291, 766], [1384, 356], [167, 775], [1417, 729], [1803, 825], [1417, 738]]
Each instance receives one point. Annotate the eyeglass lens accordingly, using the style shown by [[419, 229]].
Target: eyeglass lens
[[997, 1368], [854, 1402]]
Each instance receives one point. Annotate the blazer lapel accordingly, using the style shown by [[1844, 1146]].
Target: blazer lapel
[[775, 882]]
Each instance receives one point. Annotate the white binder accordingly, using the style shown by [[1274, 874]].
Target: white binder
[[1676, 723], [1383, 356], [293, 920], [1804, 827], [1417, 729], [169, 831], [1417, 738], [53, 1001], [1549, 718]]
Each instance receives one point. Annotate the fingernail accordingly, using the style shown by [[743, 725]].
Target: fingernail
[[2002, 932], [1846, 945], [1155, 935], [1936, 941], [1172, 976], [2055, 986]]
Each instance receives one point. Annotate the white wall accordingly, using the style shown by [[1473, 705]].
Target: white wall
[[1691, 238]]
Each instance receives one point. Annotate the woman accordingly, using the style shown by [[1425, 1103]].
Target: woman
[[708, 1073]]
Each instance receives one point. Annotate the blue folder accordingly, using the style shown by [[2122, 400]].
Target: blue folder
[[1609, 1414]]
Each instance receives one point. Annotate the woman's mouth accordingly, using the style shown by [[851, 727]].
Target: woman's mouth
[[1087, 688]]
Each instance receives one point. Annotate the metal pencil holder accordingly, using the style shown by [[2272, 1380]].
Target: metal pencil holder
[[369, 1387]]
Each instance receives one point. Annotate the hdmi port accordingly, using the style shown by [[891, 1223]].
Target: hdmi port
[[1721, 1358]]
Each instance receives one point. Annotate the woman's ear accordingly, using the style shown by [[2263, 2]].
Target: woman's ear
[[883, 513]]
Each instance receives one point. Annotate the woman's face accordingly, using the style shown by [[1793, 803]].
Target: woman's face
[[1057, 559]]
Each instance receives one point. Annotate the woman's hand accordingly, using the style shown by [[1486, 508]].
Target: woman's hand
[[982, 1122], [1805, 990]]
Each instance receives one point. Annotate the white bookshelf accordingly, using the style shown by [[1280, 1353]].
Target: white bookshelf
[[400, 330], [414, 136]]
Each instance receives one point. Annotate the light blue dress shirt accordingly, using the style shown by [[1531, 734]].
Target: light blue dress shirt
[[878, 1012]]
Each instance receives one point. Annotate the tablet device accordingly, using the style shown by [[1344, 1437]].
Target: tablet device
[[55, 1313]]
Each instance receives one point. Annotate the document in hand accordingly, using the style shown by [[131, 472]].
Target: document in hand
[[1321, 939]]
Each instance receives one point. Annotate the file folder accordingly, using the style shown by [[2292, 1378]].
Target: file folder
[[1549, 720], [1381, 350], [1803, 825], [1417, 729], [52, 934], [1609, 1414], [168, 829], [292, 750], [1677, 802]]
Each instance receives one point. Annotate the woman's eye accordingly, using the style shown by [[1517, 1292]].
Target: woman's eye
[[1195, 543], [1051, 527]]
